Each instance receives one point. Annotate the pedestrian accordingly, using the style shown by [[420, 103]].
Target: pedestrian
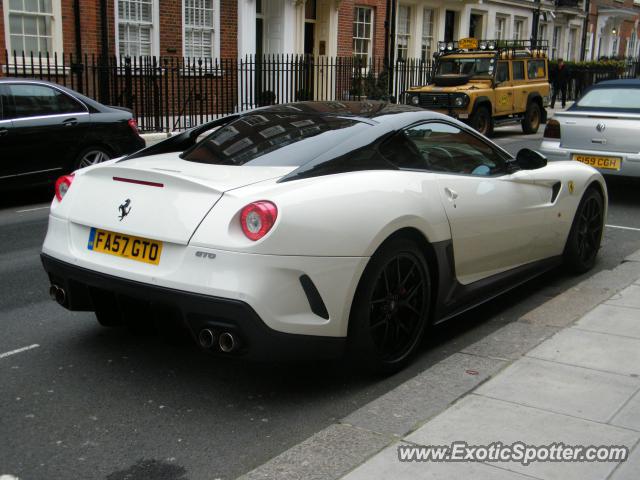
[[560, 81]]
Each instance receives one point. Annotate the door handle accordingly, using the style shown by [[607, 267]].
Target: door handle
[[70, 122], [451, 194]]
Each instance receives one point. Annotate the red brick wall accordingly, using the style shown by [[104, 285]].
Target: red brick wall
[[626, 27], [345, 26], [228, 28]]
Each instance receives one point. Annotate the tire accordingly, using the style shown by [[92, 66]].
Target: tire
[[532, 118], [585, 235], [482, 122], [390, 310], [91, 156]]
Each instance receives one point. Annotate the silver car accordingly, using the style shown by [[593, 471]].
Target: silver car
[[602, 129]]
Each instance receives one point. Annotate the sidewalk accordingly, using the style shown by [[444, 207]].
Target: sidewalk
[[567, 371]]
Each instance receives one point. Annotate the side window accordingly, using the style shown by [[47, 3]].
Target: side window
[[518, 70], [446, 148], [38, 100], [502, 73], [535, 69]]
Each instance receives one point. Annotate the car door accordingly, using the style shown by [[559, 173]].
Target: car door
[[520, 86], [504, 95], [5, 139], [496, 218], [47, 124]]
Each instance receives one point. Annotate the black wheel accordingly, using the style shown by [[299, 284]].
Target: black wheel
[[92, 156], [586, 233], [531, 120], [391, 307], [482, 122], [109, 318]]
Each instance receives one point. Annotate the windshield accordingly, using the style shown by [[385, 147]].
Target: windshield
[[466, 66], [271, 139], [611, 98]]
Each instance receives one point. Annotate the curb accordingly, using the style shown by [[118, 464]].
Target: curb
[[341, 447]]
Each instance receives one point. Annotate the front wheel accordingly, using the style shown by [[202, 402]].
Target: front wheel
[[531, 120], [586, 233], [482, 122], [391, 307]]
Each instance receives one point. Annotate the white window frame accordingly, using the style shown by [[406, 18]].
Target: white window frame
[[556, 43], [56, 34], [155, 28], [522, 35], [504, 32], [215, 50], [406, 36], [632, 44], [432, 38], [372, 32], [588, 46]]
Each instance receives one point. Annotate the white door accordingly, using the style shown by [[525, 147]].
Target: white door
[[497, 219]]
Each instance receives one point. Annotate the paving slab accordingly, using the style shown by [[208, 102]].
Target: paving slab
[[479, 420], [424, 396], [562, 388], [511, 341], [575, 302], [385, 465], [629, 470], [606, 318], [629, 297], [629, 416], [327, 455], [598, 351]]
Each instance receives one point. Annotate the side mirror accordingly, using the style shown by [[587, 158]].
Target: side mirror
[[528, 159]]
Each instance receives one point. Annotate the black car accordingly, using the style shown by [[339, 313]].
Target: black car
[[47, 130]]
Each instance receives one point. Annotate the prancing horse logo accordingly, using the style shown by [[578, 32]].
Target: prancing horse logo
[[124, 209]]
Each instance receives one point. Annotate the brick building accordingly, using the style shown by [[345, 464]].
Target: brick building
[[613, 29]]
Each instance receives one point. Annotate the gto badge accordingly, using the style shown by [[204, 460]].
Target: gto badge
[[207, 255], [572, 187], [124, 209], [600, 127]]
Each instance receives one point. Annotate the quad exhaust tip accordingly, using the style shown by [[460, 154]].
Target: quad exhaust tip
[[227, 342], [207, 338], [58, 294]]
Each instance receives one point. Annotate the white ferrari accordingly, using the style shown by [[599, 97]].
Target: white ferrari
[[315, 229]]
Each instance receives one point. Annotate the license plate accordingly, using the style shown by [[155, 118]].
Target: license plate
[[607, 163], [127, 246]]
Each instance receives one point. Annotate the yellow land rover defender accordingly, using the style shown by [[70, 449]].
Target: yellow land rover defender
[[488, 83]]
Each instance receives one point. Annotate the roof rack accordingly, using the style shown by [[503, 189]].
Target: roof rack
[[510, 47]]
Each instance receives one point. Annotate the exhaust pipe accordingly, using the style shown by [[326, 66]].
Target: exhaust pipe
[[58, 294], [207, 338], [228, 342]]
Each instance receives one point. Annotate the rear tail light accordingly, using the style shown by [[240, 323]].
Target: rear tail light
[[257, 218], [134, 125], [62, 186], [552, 130]]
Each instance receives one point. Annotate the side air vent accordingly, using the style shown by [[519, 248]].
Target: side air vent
[[555, 190], [314, 298]]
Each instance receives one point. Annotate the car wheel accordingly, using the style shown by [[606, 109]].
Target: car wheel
[[531, 120], [482, 122], [390, 308], [586, 233], [91, 156]]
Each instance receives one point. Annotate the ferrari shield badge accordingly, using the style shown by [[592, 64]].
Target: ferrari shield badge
[[572, 187]]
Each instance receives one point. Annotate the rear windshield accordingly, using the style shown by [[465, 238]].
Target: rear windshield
[[271, 139], [611, 98]]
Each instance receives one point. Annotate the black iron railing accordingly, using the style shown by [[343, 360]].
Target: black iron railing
[[173, 93]]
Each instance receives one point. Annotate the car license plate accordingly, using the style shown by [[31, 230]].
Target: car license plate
[[607, 163], [127, 246]]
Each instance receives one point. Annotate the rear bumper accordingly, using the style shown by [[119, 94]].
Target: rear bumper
[[630, 166], [87, 290]]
